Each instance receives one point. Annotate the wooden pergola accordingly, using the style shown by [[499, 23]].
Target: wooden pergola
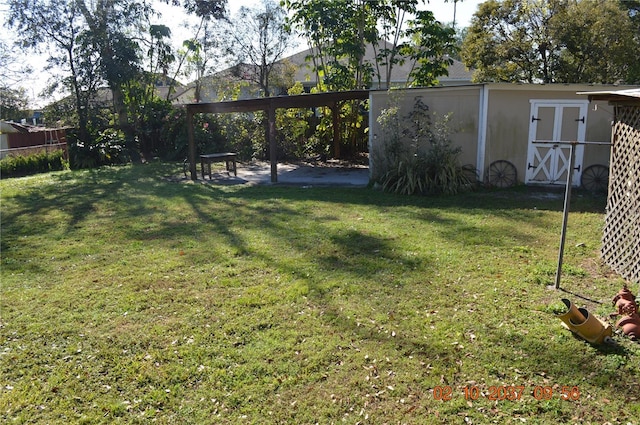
[[269, 105]]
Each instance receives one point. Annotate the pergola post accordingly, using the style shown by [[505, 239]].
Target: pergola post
[[273, 145], [336, 129], [192, 146]]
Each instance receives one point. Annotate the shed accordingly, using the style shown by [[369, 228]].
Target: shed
[[20, 139], [621, 235], [496, 125]]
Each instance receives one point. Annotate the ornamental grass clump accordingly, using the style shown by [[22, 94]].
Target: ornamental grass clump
[[419, 157]]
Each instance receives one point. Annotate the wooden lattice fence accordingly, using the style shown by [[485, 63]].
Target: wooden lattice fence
[[621, 237]]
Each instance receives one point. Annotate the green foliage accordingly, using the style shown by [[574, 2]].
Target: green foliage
[[108, 148], [209, 134], [585, 41], [419, 158], [601, 54], [246, 134], [434, 46], [294, 129], [148, 114], [341, 31], [42, 162], [258, 37], [13, 103]]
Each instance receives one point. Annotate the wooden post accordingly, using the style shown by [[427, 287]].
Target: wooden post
[[273, 146], [336, 130], [192, 146]]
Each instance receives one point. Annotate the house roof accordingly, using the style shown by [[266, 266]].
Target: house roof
[[458, 72]]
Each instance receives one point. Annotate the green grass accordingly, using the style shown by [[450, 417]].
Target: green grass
[[128, 298]]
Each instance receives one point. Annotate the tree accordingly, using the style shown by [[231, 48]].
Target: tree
[[198, 51], [11, 67], [432, 50], [202, 53], [57, 26], [389, 42], [339, 33], [99, 42], [13, 99], [604, 53], [259, 40], [550, 41], [12, 103], [633, 10], [509, 41]]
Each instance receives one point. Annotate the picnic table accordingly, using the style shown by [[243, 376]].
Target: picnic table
[[228, 157]]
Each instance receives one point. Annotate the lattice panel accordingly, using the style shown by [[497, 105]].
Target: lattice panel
[[621, 238]]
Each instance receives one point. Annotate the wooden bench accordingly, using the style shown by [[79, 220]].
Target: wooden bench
[[228, 157]]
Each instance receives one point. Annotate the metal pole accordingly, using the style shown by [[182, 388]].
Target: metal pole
[[565, 217]]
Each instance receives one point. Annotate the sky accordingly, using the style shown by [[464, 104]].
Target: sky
[[174, 18]]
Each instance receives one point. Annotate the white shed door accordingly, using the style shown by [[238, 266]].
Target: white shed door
[[555, 121]]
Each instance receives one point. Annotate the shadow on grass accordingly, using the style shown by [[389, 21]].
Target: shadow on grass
[[331, 261], [559, 361]]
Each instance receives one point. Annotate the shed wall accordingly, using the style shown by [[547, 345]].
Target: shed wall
[[504, 134], [461, 102], [508, 120]]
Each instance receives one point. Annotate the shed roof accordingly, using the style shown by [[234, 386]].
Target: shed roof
[[627, 95], [12, 127]]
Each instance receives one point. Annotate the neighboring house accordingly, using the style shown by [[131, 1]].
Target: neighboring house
[[457, 72], [214, 88], [103, 97], [496, 125]]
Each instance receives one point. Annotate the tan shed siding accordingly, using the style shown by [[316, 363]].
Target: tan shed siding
[[505, 133], [509, 119], [464, 106], [461, 101], [508, 129]]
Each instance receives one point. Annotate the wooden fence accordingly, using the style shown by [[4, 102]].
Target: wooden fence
[[30, 150]]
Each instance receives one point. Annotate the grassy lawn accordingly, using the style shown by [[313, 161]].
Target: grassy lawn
[[129, 298]]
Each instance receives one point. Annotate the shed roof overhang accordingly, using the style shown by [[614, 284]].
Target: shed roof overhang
[[269, 104], [628, 96]]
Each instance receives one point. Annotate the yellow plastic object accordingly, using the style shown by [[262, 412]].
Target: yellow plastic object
[[573, 315], [593, 329], [585, 325]]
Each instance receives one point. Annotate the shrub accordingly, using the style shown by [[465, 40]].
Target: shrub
[[109, 148], [41, 162], [418, 157]]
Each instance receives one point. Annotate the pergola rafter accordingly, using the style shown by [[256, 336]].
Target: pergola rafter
[[269, 105]]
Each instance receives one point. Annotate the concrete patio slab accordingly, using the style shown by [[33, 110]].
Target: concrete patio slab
[[304, 174]]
